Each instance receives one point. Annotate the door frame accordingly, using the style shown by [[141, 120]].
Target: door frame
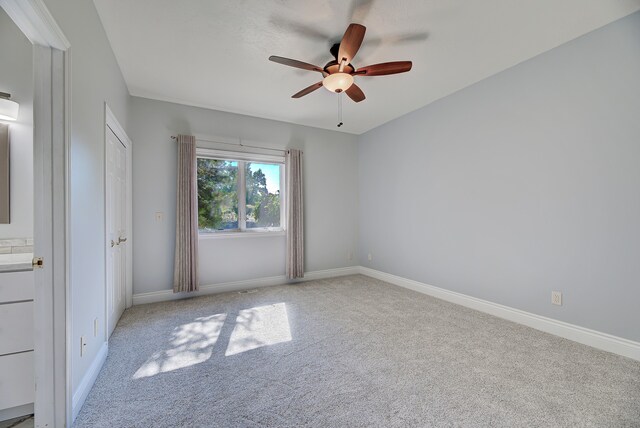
[[51, 128], [111, 123]]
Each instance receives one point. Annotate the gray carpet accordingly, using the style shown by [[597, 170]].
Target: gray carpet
[[350, 352]]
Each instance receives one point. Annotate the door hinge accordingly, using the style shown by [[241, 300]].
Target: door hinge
[[37, 262]]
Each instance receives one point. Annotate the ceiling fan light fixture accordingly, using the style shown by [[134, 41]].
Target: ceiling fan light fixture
[[338, 82], [338, 74]]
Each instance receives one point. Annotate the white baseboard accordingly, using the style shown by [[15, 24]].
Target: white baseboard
[[16, 412], [88, 380], [164, 295], [596, 339]]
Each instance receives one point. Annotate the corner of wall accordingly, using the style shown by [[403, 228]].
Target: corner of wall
[[80, 395]]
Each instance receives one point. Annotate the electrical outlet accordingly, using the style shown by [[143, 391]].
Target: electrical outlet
[[159, 217], [83, 345], [95, 327], [556, 298], [370, 257]]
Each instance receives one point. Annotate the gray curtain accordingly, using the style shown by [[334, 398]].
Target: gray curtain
[[185, 275], [295, 223]]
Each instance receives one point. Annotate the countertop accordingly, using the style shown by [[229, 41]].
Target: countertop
[[15, 262]]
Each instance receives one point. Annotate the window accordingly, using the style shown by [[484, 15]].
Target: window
[[239, 192]]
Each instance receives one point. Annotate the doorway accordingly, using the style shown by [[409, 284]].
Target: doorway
[[118, 264], [51, 299]]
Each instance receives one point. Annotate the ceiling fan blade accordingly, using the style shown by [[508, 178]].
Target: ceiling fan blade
[[384, 68], [351, 42], [307, 90], [295, 63], [355, 93]]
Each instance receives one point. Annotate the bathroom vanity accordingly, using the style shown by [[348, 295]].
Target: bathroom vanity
[[16, 335]]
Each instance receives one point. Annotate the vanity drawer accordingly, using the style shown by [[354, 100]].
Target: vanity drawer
[[16, 286], [16, 327], [16, 380]]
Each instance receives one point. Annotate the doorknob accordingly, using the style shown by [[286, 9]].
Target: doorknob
[[113, 243], [121, 240]]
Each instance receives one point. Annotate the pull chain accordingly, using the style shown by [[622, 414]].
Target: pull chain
[[340, 110]]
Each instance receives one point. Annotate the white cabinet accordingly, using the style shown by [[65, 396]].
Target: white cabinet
[[16, 327], [17, 388], [16, 286], [16, 380]]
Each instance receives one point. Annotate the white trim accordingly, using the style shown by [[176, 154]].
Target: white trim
[[51, 293], [596, 339], [67, 252], [59, 179], [111, 121], [239, 146], [241, 191], [165, 295], [283, 198], [247, 233], [88, 380], [44, 314], [234, 155], [36, 22]]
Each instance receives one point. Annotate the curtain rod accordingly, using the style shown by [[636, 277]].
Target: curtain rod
[[173, 137]]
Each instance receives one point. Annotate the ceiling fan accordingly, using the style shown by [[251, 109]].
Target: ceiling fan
[[339, 73]]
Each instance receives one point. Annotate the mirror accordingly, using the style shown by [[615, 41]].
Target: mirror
[[4, 174]]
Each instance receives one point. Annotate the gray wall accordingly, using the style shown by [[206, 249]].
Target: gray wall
[[521, 184], [95, 78], [16, 78], [330, 201]]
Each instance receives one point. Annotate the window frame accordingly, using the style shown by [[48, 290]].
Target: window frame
[[242, 158]]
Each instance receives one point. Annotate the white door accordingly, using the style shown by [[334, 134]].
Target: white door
[[117, 247]]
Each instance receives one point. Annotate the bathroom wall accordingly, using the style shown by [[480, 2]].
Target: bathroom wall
[[16, 245], [16, 78]]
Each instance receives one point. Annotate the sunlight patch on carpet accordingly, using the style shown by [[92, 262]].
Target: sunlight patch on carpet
[[258, 327], [192, 344]]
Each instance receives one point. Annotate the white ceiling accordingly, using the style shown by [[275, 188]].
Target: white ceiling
[[213, 53]]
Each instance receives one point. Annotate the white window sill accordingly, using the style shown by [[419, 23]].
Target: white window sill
[[243, 234]]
